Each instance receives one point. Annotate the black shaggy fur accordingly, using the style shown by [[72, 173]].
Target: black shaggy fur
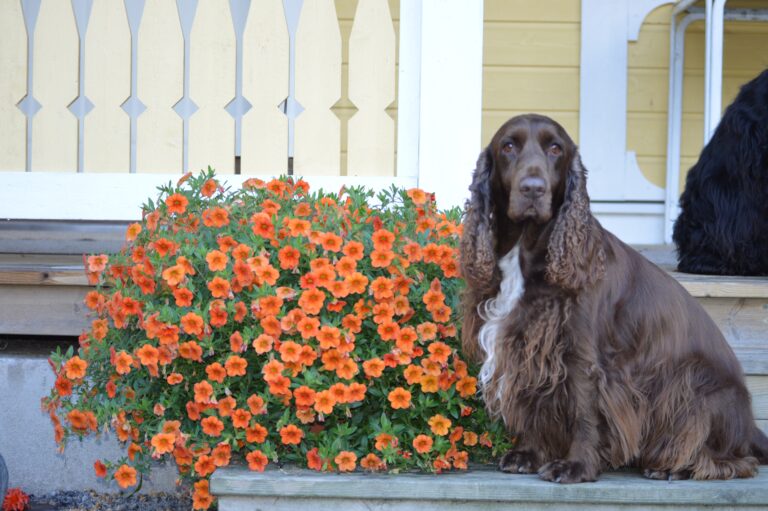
[[723, 225]]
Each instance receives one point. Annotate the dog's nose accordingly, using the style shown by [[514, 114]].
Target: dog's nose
[[532, 187]]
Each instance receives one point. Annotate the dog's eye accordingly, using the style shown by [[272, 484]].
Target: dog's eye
[[509, 147], [555, 149]]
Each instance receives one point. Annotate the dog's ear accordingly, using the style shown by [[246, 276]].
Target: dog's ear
[[575, 255], [478, 240], [478, 252]]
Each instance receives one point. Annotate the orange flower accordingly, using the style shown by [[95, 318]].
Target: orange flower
[[174, 275], [212, 426], [163, 442], [470, 438], [97, 263], [192, 324], [308, 327], [373, 368], [290, 351], [467, 386], [209, 187], [236, 366], [311, 301], [329, 337], [257, 461], [356, 392], [191, 350], [75, 368], [354, 249], [422, 444], [125, 476], [346, 266], [221, 454], [263, 344], [100, 469], [183, 297], [256, 434], [324, 401], [399, 398], [382, 258], [372, 462], [356, 283], [203, 392], [417, 195], [346, 461], [428, 383], [148, 355], [382, 288], [439, 424], [347, 369], [304, 396], [204, 465], [291, 435], [123, 362], [272, 370], [439, 352], [226, 405], [262, 225], [331, 242], [215, 217], [413, 374], [176, 203], [216, 260], [384, 440], [219, 287], [388, 330], [201, 498], [382, 240], [216, 372], [241, 418], [255, 404], [133, 230]]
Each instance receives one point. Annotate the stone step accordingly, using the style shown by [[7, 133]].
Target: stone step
[[289, 489]]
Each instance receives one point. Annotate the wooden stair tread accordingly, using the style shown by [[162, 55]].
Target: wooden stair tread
[[612, 489]]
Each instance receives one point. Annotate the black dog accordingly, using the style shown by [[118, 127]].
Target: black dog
[[723, 226]]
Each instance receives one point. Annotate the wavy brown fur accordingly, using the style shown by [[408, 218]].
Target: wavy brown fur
[[606, 361]]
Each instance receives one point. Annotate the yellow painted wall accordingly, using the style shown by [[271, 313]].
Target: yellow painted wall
[[531, 64]]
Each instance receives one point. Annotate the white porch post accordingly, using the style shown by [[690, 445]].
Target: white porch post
[[442, 137]]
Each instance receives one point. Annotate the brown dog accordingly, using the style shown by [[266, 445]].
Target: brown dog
[[593, 356]]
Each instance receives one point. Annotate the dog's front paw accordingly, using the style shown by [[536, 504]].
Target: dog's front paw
[[519, 462], [567, 472]]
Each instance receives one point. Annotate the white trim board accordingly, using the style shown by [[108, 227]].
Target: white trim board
[[108, 196]]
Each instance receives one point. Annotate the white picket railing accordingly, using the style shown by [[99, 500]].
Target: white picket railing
[[102, 100]]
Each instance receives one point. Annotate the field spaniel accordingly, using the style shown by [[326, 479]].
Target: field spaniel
[[592, 356], [723, 225]]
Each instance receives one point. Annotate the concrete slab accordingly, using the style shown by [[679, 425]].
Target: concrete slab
[[26, 437]]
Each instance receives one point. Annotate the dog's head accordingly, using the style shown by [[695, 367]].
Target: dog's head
[[531, 173], [530, 156]]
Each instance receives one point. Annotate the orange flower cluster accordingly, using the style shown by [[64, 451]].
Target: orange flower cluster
[[270, 323]]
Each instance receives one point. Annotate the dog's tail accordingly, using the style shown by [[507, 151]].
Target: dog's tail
[[759, 445]]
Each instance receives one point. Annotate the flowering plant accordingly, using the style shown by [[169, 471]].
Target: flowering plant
[[15, 500], [270, 323]]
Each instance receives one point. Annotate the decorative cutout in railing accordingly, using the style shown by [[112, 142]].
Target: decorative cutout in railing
[[275, 67]]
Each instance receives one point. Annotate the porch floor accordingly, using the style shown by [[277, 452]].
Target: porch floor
[[281, 489]]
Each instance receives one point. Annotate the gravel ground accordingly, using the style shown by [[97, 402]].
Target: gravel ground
[[93, 501]]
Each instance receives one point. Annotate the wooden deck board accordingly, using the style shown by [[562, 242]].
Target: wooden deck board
[[477, 487]]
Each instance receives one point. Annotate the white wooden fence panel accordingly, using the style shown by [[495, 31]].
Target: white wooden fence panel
[[108, 79], [265, 85], [212, 129], [371, 145], [318, 87], [13, 87], [54, 130], [160, 72]]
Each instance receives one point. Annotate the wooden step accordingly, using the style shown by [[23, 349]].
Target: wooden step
[[288, 489]]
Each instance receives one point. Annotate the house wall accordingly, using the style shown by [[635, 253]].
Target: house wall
[[531, 64]]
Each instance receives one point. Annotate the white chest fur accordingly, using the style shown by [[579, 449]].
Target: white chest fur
[[494, 311]]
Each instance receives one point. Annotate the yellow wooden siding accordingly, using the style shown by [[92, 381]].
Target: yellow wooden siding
[[531, 64]]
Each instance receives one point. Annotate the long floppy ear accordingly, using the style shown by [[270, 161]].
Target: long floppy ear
[[478, 252], [575, 255], [478, 240]]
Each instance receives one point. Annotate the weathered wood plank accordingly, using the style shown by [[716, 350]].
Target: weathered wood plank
[[42, 275], [486, 487], [758, 387], [42, 237], [37, 310]]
